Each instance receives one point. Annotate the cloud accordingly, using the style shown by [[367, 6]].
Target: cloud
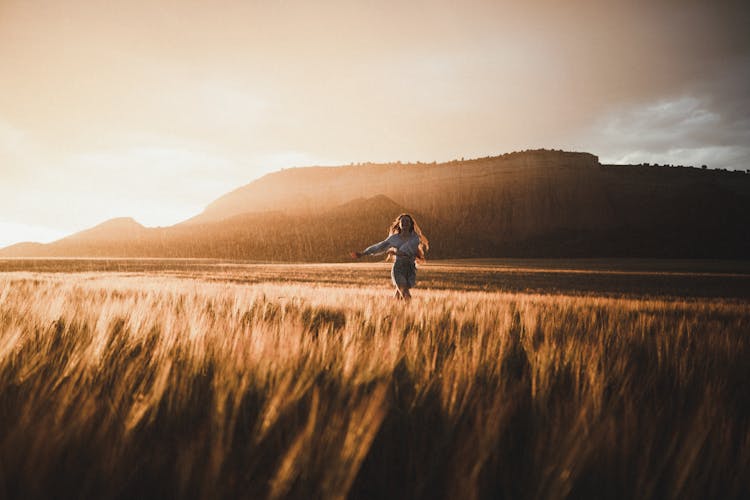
[[684, 130], [15, 148], [10, 137], [673, 122], [12, 232], [731, 157], [156, 182], [157, 185]]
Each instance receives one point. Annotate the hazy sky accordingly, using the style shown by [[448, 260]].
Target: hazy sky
[[152, 109]]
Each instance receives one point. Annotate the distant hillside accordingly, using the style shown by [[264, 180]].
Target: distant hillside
[[121, 227], [311, 189], [272, 236], [529, 204]]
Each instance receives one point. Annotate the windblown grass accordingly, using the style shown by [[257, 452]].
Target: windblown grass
[[164, 387]]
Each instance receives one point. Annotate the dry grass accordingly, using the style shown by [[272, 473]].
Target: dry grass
[[115, 386]]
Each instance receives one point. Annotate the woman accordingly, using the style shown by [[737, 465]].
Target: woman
[[405, 241]]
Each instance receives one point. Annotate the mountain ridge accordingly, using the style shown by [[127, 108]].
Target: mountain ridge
[[529, 204], [336, 185]]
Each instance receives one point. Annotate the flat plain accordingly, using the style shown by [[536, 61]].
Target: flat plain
[[501, 379]]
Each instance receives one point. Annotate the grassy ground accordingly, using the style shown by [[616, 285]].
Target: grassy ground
[[222, 382], [602, 277]]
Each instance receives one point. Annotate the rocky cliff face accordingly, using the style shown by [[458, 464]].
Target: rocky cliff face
[[302, 190]]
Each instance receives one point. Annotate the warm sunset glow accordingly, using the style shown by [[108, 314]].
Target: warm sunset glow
[[152, 109]]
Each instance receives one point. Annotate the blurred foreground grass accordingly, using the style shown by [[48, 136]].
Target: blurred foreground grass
[[162, 386]]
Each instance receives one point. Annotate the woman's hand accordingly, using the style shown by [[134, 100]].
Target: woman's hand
[[355, 255]]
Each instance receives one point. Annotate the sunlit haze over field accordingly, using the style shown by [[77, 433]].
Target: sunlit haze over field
[[152, 109]]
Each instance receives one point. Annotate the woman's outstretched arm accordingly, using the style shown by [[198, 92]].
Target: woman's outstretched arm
[[377, 248]]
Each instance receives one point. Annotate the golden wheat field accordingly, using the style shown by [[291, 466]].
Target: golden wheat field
[[312, 382]]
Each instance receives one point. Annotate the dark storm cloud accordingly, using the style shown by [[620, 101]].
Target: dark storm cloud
[[688, 101]]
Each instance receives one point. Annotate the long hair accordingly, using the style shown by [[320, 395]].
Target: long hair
[[424, 243]]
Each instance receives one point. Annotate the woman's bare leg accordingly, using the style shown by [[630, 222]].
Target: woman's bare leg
[[404, 292], [398, 294]]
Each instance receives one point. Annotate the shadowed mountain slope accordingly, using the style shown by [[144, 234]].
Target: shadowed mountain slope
[[529, 204]]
